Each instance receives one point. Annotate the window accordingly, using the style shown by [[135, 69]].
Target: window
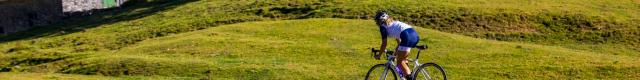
[[108, 3]]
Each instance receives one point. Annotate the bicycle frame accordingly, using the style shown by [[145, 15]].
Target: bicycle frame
[[390, 63]]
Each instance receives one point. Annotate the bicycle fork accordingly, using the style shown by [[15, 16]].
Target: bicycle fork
[[389, 65], [417, 64]]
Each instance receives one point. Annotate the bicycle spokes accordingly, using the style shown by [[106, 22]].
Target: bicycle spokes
[[426, 75]]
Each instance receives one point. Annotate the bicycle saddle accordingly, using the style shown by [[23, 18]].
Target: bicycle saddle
[[422, 47]]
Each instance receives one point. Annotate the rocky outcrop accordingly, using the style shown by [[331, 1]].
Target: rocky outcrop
[[80, 5], [87, 7]]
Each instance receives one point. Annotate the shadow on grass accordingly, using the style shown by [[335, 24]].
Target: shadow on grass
[[134, 9]]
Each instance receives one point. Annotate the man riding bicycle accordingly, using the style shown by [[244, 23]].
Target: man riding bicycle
[[405, 36]]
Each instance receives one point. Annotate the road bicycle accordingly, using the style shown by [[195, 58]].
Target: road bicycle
[[426, 71]]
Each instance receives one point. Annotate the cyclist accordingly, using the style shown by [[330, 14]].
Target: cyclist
[[405, 36]]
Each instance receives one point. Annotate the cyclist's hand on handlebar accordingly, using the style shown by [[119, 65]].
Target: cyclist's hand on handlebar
[[380, 52], [376, 53]]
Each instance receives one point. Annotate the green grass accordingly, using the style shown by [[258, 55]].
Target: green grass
[[335, 49], [53, 76], [547, 39], [569, 23]]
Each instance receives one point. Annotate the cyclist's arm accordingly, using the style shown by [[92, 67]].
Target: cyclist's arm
[[383, 45]]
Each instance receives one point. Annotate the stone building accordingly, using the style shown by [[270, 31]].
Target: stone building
[[20, 15]]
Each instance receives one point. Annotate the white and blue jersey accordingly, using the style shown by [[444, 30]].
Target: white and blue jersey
[[399, 30]]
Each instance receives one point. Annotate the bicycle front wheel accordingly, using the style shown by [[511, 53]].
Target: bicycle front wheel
[[429, 71], [381, 72]]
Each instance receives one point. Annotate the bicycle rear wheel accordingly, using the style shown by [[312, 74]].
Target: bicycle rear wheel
[[429, 71], [380, 72]]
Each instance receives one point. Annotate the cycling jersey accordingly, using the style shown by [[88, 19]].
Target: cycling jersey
[[399, 30]]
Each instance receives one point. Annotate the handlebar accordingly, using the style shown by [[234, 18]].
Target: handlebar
[[376, 52], [389, 52]]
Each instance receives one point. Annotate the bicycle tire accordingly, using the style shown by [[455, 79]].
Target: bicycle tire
[[380, 66], [421, 70]]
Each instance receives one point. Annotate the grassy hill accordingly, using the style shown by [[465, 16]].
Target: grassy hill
[[53, 76], [192, 39], [330, 49], [599, 26]]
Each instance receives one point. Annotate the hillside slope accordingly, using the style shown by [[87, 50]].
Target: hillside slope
[[54, 76], [327, 49], [192, 39], [606, 27]]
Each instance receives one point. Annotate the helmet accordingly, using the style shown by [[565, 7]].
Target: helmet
[[381, 17]]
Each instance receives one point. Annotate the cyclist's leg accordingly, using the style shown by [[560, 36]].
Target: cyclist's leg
[[402, 52], [409, 38], [402, 61]]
